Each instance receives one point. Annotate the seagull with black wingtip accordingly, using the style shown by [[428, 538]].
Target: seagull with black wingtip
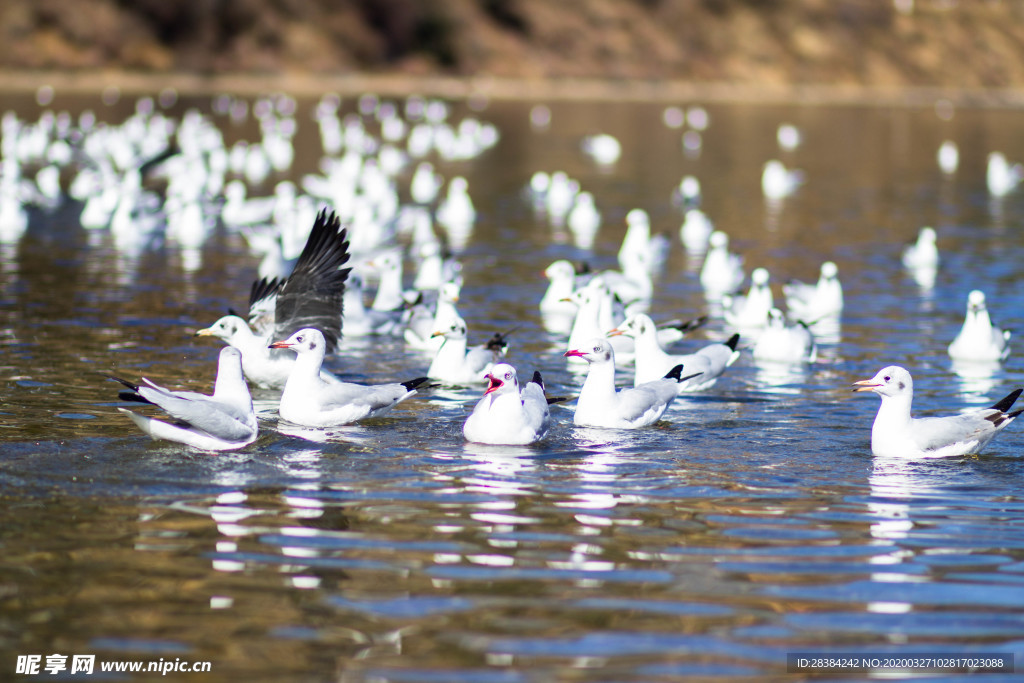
[[312, 296], [895, 434], [310, 401]]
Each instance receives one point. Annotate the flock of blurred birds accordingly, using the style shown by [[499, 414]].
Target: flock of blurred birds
[[334, 248]]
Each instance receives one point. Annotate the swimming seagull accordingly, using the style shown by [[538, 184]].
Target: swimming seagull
[[922, 254], [601, 405], [896, 434], [311, 296], [948, 157], [1000, 176], [507, 414], [782, 343], [823, 299], [652, 361], [220, 422], [722, 271], [979, 339], [456, 363], [778, 182], [311, 402], [750, 311]]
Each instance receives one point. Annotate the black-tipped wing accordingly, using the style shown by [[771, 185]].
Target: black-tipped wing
[[1007, 402], [312, 295]]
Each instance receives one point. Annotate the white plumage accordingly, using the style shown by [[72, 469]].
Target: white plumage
[[784, 343], [812, 302], [653, 362], [601, 405], [895, 434], [979, 339], [750, 311], [507, 414], [222, 421], [311, 402]]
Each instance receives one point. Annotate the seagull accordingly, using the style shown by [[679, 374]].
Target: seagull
[[722, 271], [652, 361], [922, 254], [896, 434], [696, 230], [602, 148], [750, 311], [506, 414], [1000, 176], [601, 405], [788, 136], [979, 338], [311, 402], [784, 343], [311, 296], [948, 157], [221, 422], [639, 245], [456, 363], [557, 312], [821, 300], [777, 181]]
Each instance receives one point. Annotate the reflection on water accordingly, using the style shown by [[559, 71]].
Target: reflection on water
[[751, 522]]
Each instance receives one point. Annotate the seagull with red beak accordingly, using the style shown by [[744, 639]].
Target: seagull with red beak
[[506, 414], [310, 401], [601, 405]]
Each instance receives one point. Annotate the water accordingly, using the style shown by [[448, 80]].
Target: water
[[752, 522]]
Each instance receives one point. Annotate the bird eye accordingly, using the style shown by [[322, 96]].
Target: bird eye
[[508, 375], [299, 339], [597, 349], [887, 378]]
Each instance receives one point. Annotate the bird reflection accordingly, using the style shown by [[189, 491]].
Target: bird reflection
[[977, 378]]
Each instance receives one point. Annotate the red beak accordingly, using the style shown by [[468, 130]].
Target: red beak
[[493, 384], [574, 352], [280, 345]]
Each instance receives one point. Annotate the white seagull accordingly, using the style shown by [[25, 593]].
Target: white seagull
[[220, 422], [948, 157], [895, 434], [812, 302], [784, 343], [979, 338], [922, 254], [722, 271], [311, 402], [458, 364], [311, 296], [777, 181], [601, 405], [652, 361], [507, 414], [750, 311]]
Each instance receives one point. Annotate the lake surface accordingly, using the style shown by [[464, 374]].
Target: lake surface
[[750, 523]]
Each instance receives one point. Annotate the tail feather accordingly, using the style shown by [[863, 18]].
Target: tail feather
[[414, 383], [675, 373], [734, 340], [1007, 402], [133, 397], [537, 379], [689, 325]]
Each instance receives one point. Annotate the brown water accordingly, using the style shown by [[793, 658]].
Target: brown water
[[752, 522]]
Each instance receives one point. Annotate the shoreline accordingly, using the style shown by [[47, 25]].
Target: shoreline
[[539, 90]]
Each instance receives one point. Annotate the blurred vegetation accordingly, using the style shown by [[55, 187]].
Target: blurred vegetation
[[972, 43]]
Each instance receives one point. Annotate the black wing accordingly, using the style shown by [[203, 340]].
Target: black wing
[[312, 295]]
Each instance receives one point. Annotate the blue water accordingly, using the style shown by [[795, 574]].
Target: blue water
[[751, 522]]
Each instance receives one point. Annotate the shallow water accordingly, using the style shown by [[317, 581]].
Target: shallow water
[[750, 523]]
